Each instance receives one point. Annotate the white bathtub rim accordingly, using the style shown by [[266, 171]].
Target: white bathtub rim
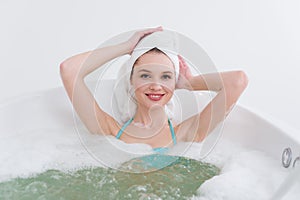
[[272, 121]]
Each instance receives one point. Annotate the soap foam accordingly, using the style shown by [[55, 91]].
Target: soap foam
[[245, 173]]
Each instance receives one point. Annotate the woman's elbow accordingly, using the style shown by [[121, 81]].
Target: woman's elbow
[[67, 71], [67, 76], [63, 68], [239, 81]]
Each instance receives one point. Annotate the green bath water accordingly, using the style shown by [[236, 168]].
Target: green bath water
[[179, 179]]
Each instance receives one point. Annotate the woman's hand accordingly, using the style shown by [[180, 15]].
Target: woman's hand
[[131, 43], [184, 75]]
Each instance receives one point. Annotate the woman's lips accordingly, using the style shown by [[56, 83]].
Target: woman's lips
[[155, 97]]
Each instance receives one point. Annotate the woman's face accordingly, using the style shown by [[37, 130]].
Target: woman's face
[[153, 79]]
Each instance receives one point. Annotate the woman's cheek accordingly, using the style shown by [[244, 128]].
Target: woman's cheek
[[140, 83], [170, 85]]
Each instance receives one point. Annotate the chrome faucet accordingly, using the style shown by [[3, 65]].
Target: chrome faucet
[[286, 157]]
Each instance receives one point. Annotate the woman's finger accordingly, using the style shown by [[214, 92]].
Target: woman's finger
[[154, 29], [151, 30], [182, 62], [137, 36], [184, 68]]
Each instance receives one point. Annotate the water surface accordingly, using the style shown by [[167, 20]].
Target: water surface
[[179, 180]]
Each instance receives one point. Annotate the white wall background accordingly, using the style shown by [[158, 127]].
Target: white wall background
[[260, 37]]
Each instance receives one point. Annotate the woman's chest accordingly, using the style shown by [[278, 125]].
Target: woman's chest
[[159, 137]]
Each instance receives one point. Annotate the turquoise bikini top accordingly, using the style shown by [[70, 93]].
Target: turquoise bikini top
[[158, 149]]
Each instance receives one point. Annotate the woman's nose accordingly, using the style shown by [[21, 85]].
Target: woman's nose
[[155, 86]]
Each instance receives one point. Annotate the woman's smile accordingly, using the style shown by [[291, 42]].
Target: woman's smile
[[155, 97]]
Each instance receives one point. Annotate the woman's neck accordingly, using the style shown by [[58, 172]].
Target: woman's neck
[[153, 117]]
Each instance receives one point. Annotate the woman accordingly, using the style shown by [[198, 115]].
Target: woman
[[153, 79]]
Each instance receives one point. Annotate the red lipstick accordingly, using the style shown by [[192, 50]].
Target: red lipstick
[[155, 97]]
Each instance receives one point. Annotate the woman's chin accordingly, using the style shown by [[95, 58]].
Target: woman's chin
[[153, 105]]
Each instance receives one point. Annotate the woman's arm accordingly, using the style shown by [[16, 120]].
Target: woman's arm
[[73, 71], [228, 85]]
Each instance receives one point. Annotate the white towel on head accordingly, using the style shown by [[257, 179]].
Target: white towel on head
[[167, 42]]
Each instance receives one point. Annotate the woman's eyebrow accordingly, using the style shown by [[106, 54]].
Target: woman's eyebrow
[[168, 72], [144, 70], [165, 72]]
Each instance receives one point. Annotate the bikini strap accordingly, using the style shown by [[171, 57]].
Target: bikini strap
[[123, 128], [172, 131]]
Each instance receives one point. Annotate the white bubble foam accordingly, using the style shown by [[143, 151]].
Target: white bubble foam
[[245, 174]]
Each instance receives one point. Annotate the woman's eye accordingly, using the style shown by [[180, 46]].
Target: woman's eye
[[145, 76], [166, 77]]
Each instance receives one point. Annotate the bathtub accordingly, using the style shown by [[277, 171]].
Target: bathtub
[[43, 114]]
